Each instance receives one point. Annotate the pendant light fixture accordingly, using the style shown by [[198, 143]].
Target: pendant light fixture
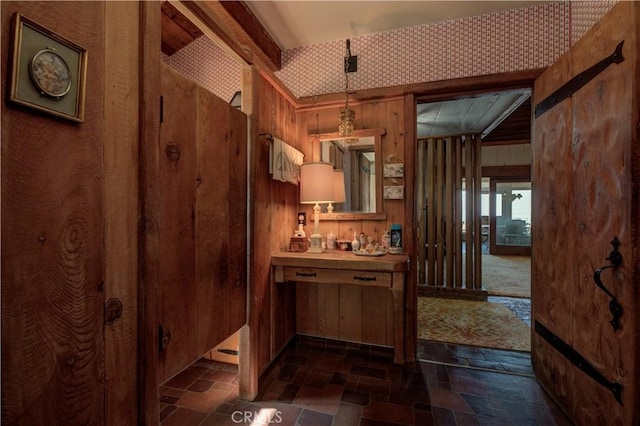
[[346, 122]]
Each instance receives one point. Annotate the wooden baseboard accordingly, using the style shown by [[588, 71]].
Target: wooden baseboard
[[452, 293]]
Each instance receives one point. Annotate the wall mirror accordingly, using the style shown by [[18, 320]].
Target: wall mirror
[[360, 158]]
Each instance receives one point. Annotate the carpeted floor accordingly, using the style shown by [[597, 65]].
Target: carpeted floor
[[506, 275], [466, 322]]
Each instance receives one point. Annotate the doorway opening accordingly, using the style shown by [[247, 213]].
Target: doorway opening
[[488, 212]]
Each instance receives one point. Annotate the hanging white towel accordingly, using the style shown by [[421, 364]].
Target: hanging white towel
[[285, 162]]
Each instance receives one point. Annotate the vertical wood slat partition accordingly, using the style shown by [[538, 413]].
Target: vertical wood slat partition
[[441, 258]]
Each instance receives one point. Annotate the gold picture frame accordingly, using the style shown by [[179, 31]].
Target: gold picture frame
[[48, 72]]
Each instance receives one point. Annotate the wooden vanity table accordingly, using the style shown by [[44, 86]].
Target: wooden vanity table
[[337, 272]]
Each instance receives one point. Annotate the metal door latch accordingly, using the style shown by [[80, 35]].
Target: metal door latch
[[615, 258]]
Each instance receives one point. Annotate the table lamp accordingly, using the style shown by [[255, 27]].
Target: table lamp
[[338, 189], [316, 186]]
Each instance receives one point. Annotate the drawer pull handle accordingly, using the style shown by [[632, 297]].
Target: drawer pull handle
[[306, 274], [355, 277]]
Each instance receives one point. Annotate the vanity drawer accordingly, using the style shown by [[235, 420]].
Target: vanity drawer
[[336, 276]]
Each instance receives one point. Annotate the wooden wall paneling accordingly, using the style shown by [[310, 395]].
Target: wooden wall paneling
[[263, 224], [122, 33], [409, 136], [149, 216], [410, 342], [273, 220], [477, 199], [177, 222], [53, 255], [457, 223], [307, 308], [350, 312], [329, 310], [392, 148], [374, 316]]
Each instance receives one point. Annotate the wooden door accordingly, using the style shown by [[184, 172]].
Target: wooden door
[[586, 162], [202, 225]]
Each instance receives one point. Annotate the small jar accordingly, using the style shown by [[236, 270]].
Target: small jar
[[331, 241]]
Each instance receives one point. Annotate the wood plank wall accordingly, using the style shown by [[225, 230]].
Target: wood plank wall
[[274, 207], [360, 314], [65, 247]]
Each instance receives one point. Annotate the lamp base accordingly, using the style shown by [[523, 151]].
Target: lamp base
[[316, 244]]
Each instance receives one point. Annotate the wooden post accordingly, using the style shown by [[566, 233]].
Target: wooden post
[[468, 228], [457, 228], [449, 208], [431, 229], [477, 225]]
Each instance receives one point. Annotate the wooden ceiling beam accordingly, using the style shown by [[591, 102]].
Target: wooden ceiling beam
[[235, 25], [177, 31]]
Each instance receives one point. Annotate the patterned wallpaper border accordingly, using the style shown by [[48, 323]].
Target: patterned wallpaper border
[[518, 39]]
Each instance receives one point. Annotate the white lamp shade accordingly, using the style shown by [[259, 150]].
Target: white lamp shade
[[316, 183], [338, 186]]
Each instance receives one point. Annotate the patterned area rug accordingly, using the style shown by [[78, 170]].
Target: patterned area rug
[[506, 275], [465, 322]]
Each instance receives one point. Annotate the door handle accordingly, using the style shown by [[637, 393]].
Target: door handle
[[614, 306]]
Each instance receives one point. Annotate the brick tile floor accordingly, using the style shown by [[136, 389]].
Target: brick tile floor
[[316, 382]]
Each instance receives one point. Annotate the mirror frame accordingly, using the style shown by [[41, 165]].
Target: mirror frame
[[377, 134]]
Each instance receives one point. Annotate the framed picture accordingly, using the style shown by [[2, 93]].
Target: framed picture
[[395, 192], [391, 170], [48, 71]]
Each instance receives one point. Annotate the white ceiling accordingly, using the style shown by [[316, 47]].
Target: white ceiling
[[471, 115], [296, 23]]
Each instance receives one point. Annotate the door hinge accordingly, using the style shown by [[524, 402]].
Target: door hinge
[[578, 360], [164, 337], [577, 82]]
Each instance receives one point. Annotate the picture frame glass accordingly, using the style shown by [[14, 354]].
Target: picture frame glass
[[48, 71]]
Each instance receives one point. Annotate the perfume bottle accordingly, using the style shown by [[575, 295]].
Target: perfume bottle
[[355, 244]]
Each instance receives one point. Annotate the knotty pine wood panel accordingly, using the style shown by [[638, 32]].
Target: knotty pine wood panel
[[273, 220], [307, 308], [178, 290], [345, 312], [381, 113], [350, 312], [329, 310], [121, 208], [375, 316], [53, 256], [220, 220]]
